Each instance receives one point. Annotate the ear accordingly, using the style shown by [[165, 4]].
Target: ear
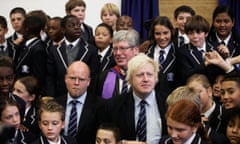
[[32, 97], [194, 129], [5, 30], [209, 90], [63, 124], [206, 34]]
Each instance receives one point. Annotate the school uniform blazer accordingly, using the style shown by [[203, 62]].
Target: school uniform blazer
[[64, 140], [120, 111], [108, 61], [88, 121], [215, 119], [190, 61], [87, 34], [30, 120], [166, 76], [196, 140], [13, 50], [32, 61], [57, 65]]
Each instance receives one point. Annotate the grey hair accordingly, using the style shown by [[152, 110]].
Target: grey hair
[[131, 36]]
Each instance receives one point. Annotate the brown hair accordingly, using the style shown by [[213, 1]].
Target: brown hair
[[186, 112], [196, 23], [71, 4]]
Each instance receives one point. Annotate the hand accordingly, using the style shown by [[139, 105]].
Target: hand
[[223, 50], [18, 41]]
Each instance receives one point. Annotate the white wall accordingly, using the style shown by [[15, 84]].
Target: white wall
[[55, 8]]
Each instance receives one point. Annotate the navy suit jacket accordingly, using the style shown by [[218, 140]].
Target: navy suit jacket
[[88, 121], [120, 111], [57, 65]]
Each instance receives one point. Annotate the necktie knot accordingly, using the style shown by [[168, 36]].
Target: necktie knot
[[74, 102], [2, 47], [222, 42], [161, 56], [143, 102], [181, 41], [70, 46]]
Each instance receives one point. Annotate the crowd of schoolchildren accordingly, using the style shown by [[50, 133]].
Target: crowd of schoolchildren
[[57, 70]]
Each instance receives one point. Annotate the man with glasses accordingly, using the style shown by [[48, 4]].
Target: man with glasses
[[112, 82]]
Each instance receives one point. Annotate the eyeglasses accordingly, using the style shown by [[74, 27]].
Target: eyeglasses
[[121, 49]]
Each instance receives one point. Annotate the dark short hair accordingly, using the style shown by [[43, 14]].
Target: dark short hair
[[6, 61], [65, 19], [197, 23], [183, 8], [113, 128], [33, 24], [18, 10], [3, 22], [109, 28]]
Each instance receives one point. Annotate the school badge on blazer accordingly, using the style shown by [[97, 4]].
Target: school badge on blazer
[[25, 69], [170, 76]]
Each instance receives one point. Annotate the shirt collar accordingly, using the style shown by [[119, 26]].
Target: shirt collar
[[80, 99], [74, 43], [166, 49], [30, 41], [202, 48], [226, 40], [189, 141], [149, 99], [103, 53], [209, 112]]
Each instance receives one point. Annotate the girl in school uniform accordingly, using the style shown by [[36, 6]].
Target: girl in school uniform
[[163, 51], [223, 35], [10, 115], [27, 89], [184, 124]]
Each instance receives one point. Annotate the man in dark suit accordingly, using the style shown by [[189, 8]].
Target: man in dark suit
[[126, 110], [125, 46], [77, 81], [73, 48]]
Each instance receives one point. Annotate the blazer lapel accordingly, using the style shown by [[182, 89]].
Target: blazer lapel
[[169, 60], [61, 50]]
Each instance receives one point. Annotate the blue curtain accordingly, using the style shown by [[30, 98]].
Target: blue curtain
[[140, 11], [235, 7]]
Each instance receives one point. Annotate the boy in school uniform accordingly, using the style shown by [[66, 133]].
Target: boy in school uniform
[[32, 57], [51, 123], [191, 56], [6, 48], [78, 9], [181, 14]]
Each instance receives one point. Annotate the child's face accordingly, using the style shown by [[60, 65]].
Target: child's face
[[11, 116], [72, 29], [205, 95], [102, 37], [223, 24], [179, 132], [109, 18], [181, 20], [230, 94], [54, 30], [197, 39], [6, 80], [217, 86], [79, 12], [51, 125], [3, 32], [124, 23], [233, 130], [105, 136], [19, 89], [17, 21], [162, 35]]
